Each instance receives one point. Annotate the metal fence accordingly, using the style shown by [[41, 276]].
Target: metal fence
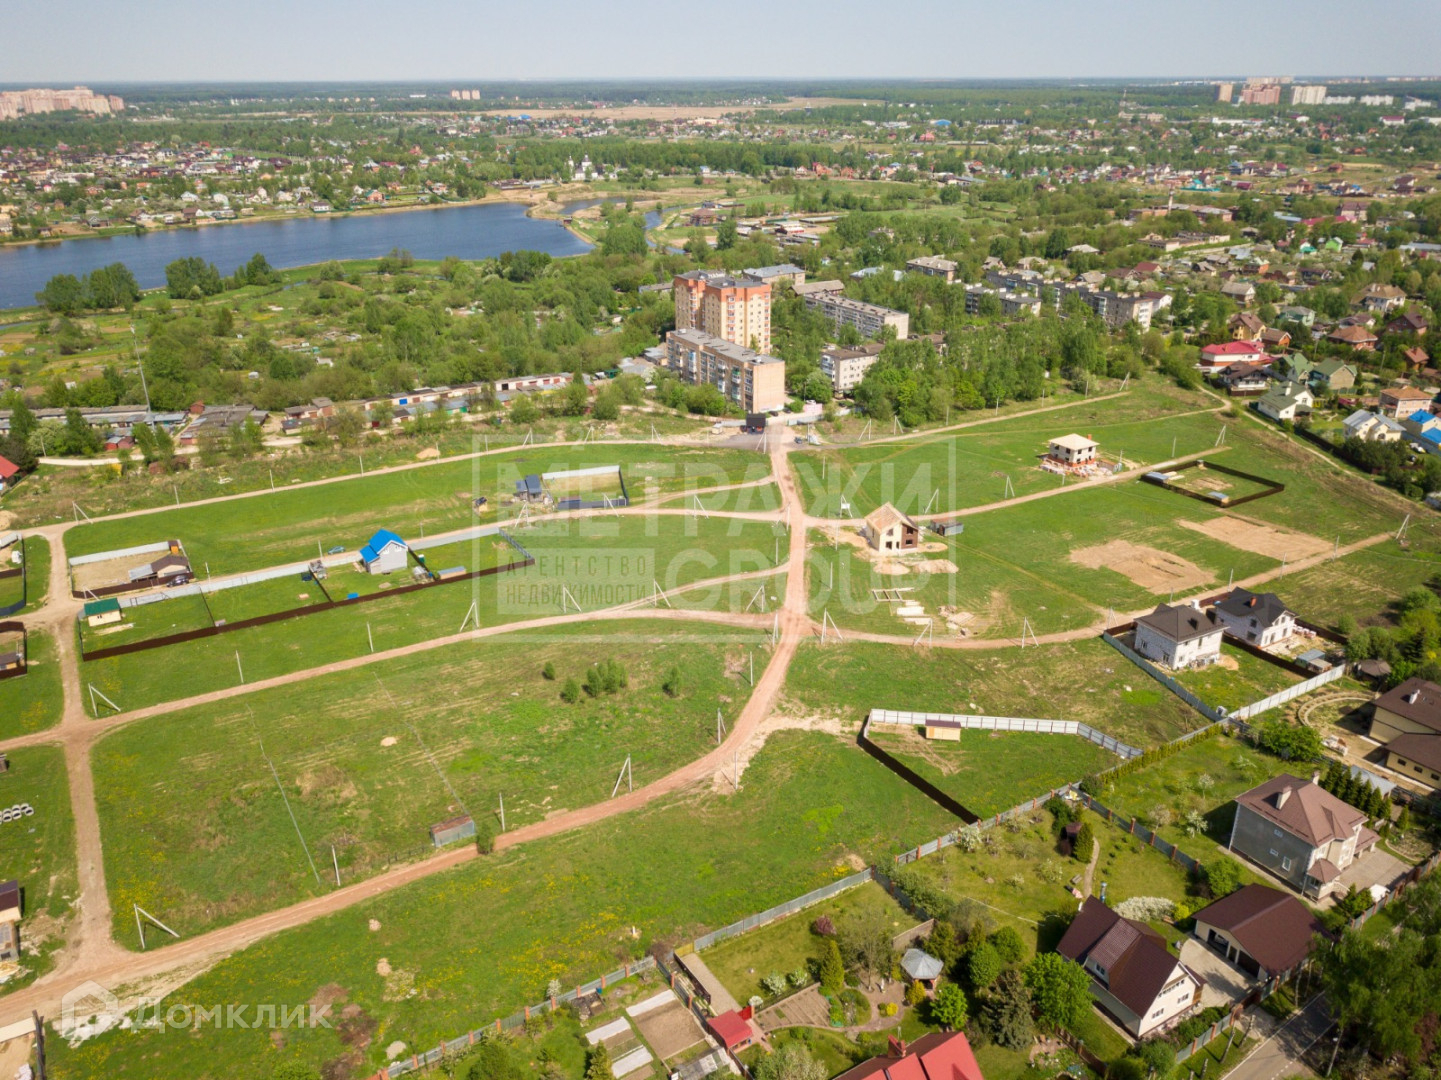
[[1208, 711], [470, 1038], [1290, 693], [1006, 723], [24, 571], [750, 922], [1135, 828]]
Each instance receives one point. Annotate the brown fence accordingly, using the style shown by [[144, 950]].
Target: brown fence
[[17, 628], [293, 613], [24, 571], [913, 778], [1273, 487]]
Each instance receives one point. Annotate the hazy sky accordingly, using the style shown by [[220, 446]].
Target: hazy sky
[[170, 40]]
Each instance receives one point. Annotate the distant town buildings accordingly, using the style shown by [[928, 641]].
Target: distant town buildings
[[1308, 95], [17, 103]]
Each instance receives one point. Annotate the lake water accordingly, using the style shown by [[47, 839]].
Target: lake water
[[468, 232]]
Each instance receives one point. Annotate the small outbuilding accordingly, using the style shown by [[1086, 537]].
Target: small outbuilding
[[944, 730], [887, 529], [920, 966], [385, 553], [1073, 450], [102, 612], [530, 489], [1263, 931], [953, 527], [733, 1029], [9, 921]]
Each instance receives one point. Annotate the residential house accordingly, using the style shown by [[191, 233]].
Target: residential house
[[1416, 359], [1332, 375], [1286, 401], [1265, 932], [1245, 326], [887, 529], [1245, 380], [1420, 422], [753, 381], [1072, 450], [847, 367], [1399, 401], [774, 275], [1357, 337], [1371, 427], [1133, 977], [385, 553], [1380, 298], [1258, 618], [1243, 292], [1215, 358], [1406, 720], [1180, 636], [1410, 321], [1273, 338], [868, 319], [1297, 314], [937, 1055], [1300, 832], [9, 471]]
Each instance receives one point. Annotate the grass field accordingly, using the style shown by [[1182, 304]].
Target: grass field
[[991, 771], [742, 500], [39, 852], [369, 760], [1082, 680], [35, 582], [33, 701], [742, 962], [1363, 585], [969, 467], [602, 561], [1162, 794], [1238, 679], [288, 526], [482, 940]]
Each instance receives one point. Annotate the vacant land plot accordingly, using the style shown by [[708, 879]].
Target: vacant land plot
[[1269, 540], [991, 771], [288, 526], [970, 467], [194, 818], [1202, 778], [809, 809], [1212, 482], [1155, 571], [790, 943], [1237, 679], [756, 499], [1363, 585], [33, 701], [39, 852], [602, 562], [1082, 680]]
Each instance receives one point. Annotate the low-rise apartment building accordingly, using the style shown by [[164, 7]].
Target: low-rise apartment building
[[933, 266], [868, 319], [847, 367], [752, 380]]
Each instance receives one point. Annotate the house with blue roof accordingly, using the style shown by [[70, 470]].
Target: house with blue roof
[[1431, 440], [1421, 421], [385, 553]]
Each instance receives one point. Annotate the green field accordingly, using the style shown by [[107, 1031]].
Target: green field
[[1239, 679], [482, 940], [39, 852], [288, 526], [1363, 585], [194, 822], [969, 467], [602, 561], [35, 582], [36, 700], [741, 962], [741, 500], [991, 771], [1081, 680]]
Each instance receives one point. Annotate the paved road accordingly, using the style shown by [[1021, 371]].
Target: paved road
[[1279, 1056]]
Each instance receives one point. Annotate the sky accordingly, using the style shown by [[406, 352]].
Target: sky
[[67, 41]]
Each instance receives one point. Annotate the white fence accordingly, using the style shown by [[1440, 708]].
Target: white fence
[[1290, 693], [473, 533], [1006, 723], [593, 470], [120, 553]]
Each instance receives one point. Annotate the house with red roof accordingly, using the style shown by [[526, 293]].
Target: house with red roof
[[1216, 358], [9, 471], [937, 1056], [733, 1029]]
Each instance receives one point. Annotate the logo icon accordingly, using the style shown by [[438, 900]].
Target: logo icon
[[89, 1004]]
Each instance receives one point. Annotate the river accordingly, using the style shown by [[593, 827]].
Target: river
[[469, 232]]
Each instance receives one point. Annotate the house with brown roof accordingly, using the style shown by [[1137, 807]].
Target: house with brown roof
[[1382, 298], [1134, 979], [1401, 401], [1407, 721], [1245, 326], [1266, 933], [887, 529], [939, 1055], [1300, 832], [1357, 337], [1259, 618], [1276, 339], [1408, 322], [1180, 636]]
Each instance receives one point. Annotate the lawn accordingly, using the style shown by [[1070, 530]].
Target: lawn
[[1083, 680], [39, 852], [1363, 585], [741, 500], [969, 467], [784, 946], [1128, 869], [288, 526], [833, 1051], [36, 700], [483, 939], [992, 771], [1238, 679], [32, 585], [368, 760], [1203, 776], [602, 562]]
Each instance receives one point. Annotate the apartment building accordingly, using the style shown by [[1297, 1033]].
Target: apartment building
[[752, 380], [736, 309], [1308, 95], [1261, 94], [868, 319], [847, 367], [1012, 303], [933, 266], [1116, 309]]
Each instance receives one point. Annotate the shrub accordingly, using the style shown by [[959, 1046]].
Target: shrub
[[607, 677], [548, 672], [1156, 1055], [823, 926], [949, 1007], [570, 692], [1223, 876], [889, 1008], [969, 838], [1085, 843], [833, 972], [1160, 816], [670, 686], [1146, 908], [837, 1016], [1009, 945], [915, 994], [1197, 1025], [1195, 823], [983, 965], [774, 984], [799, 977]]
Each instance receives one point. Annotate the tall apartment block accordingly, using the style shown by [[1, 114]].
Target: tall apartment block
[[754, 381], [737, 310]]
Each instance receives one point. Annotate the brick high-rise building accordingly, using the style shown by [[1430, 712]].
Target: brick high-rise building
[[735, 309]]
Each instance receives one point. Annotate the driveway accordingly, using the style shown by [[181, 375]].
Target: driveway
[[1226, 984], [1376, 867], [1280, 1055]]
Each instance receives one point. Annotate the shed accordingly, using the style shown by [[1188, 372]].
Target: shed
[[1073, 450], [953, 527], [922, 967], [944, 730], [384, 553], [530, 488], [102, 612], [733, 1029]]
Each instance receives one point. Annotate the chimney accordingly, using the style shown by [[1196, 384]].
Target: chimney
[[897, 1047], [1282, 796]]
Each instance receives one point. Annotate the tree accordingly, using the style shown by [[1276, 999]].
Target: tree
[[1085, 843], [1223, 876], [63, 294], [597, 1066], [192, 278], [1008, 945], [548, 671], [670, 685], [949, 1007], [295, 1070], [1293, 742], [607, 677], [983, 965], [1060, 989], [1158, 1056], [1006, 1012], [792, 1061], [725, 234], [523, 410], [866, 942], [833, 972], [492, 1061], [22, 420], [570, 692]]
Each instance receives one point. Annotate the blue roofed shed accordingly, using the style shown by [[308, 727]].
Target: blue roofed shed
[[384, 553]]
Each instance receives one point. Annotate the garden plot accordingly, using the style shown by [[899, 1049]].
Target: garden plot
[[1259, 538], [666, 1024]]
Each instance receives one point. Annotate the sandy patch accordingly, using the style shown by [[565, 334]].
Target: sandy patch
[[430, 453], [937, 566], [891, 568], [1154, 570], [1261, 539], [389, 740], [374, 925], [382, 967], [722, 782]]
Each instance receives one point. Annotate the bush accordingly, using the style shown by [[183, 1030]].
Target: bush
[[1197, 1025], [607, 677], [915, 994], [1009, 945], [983, 966], [570, 692], [774, 984], [1146, 908], [548, 672], [823, 926], [1223, 876], [1157, 1055], [1085, 843], [670, 686], [889, 1008], [949, 1007]]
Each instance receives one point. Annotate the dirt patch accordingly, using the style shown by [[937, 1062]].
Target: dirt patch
[[669, 1029], [721, 782], [430, 453], [1152, 569], [327, 995], [892, 568], [1260, 539], [937, 566]]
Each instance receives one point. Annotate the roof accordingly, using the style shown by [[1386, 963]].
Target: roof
[[730, 1028], [1272, 926], [1405, 393], [9, 895], [1303, 809], [1182, 622], [382, 539], [1352, 334], [1132, 955], [1324, 871], [1415, 700], [100, 607], [7, 468], [919, 964], [937, 1056], [885, 516], [1422, 749], [1231, 348], [1266, 608], [1074, 442]]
